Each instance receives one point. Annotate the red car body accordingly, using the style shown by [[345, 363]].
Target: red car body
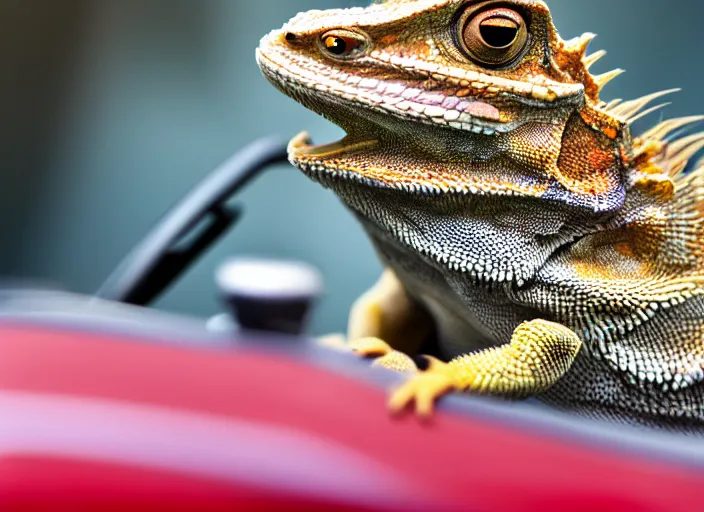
[[107, 407]]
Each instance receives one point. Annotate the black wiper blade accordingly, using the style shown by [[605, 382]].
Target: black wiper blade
[[192, 226]]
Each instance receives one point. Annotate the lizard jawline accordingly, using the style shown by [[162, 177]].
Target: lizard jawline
[[301, 147]]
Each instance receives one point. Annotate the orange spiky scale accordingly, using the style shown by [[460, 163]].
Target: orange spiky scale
[[670, 126], [579, 45], [685, 148], [602, 80], [645, 149], [632, 107], [649, 111], [590, 60]]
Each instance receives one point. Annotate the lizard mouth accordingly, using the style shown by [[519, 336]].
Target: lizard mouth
[[302, 147], [372, 163]]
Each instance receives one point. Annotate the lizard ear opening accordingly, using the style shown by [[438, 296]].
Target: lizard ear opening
[[493, 37]]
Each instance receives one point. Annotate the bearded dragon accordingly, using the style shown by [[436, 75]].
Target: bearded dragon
[[532, 244]]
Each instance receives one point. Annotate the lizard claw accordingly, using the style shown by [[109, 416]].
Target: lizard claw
[[423, 389], [384, 355]]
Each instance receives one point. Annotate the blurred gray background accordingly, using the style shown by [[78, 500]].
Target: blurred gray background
[[110, 110]]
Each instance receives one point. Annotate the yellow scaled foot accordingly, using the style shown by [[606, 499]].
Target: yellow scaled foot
[[371, 347], [539, 354], [385, 356]]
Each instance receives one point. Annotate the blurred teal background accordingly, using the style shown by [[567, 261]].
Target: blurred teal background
[[111, 109]]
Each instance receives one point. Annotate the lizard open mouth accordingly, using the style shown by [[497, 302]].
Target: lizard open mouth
[[378, 163], [302, 147]]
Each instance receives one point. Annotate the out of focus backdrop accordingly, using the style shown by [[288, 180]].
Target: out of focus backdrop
[[110, 110]]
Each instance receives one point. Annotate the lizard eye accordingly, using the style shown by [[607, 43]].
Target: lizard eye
[[494, 36], [341, 43]]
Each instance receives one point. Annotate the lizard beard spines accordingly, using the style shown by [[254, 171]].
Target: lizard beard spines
[[615, 117], [631, 111], [660, 158]]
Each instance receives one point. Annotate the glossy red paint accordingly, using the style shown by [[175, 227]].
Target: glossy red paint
[[456, 462]]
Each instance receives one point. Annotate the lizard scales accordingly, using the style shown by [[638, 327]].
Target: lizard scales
[[540, 246]]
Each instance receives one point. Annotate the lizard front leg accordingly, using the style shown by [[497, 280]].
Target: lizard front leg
[[387, 324], [539, 354]]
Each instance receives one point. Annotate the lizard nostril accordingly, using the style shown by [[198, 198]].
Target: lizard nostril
[[290, 37]]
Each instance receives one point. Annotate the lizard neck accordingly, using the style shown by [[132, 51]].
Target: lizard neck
[[482, 241]]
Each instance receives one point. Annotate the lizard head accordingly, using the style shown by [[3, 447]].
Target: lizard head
[[451, 98]]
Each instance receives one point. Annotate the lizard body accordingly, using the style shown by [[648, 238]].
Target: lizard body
[[542, 248]]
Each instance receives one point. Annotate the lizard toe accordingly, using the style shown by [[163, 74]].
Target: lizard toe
[[424, 388], [371, 347]]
